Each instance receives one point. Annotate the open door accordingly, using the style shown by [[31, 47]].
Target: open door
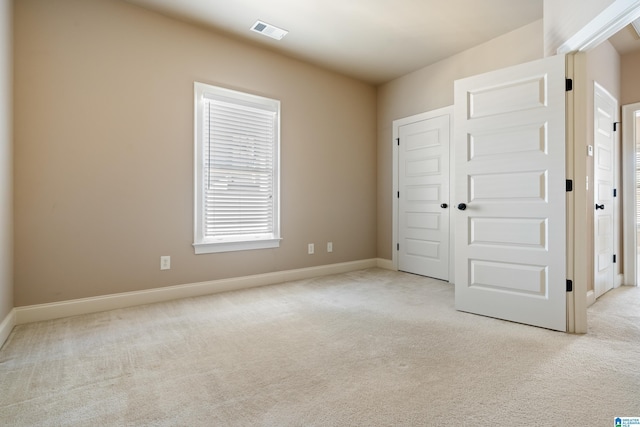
[[511, 194], [604, 141]]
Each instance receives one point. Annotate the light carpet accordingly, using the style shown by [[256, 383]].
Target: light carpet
[[368, 348]]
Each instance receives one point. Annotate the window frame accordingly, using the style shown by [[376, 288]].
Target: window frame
[[201, 243]]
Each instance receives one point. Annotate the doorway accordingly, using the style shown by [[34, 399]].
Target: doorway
[[613, 19]]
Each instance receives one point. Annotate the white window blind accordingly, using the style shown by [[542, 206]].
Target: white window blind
[[237, 158], [238, 170]]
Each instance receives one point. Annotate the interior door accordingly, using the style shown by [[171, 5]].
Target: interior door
[[605, 107], [423, 205], [511, 193]]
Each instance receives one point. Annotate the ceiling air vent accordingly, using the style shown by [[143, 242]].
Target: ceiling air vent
[[269, 30]]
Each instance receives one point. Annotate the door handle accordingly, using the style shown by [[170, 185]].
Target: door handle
[[462, 206], [599, 206], [444, 206]]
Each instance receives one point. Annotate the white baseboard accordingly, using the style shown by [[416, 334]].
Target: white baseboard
[[36, 313], [387, 264], [591, 298], [7, 326], [619, 280]]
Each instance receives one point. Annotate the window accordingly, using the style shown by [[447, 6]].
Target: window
[[237, 147]]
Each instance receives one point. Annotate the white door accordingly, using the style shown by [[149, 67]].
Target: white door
[[605, 107], [510, 180], [423, 199]]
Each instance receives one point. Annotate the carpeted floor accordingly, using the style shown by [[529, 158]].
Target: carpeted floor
[[367, 348]]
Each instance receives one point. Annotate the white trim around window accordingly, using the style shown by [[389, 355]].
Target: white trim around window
[[237, 156]]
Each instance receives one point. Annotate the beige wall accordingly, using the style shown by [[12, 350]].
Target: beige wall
[[563, 19], [6, 199], [104, 152], [432, 87], [630, 76], [103, 183]]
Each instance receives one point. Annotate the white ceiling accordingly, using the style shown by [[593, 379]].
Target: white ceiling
[[372, 40]]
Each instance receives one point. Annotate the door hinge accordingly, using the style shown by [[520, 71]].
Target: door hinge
[[398, 141], [569, 285], [615, 192], [397, 246], [615, 126], [614, 258], [398, 194], [569, 185], [568, 84]]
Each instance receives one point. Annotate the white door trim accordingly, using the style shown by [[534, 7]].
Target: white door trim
[[611, 20], [579, 267], [629, 232], [394, 215]]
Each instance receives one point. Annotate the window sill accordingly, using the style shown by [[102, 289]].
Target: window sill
[[231, 246]]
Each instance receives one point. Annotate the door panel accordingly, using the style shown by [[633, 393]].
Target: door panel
[[604, 143], [511, 140], [423, 225], [499, 276], [507, 98], [522, 232], [508, 186], [510, 174]]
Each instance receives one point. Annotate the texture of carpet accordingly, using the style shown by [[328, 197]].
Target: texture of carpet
[[368, 348]]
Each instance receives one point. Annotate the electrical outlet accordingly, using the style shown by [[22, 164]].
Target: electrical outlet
[[329, 246], [165, 262], [311, 249]]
